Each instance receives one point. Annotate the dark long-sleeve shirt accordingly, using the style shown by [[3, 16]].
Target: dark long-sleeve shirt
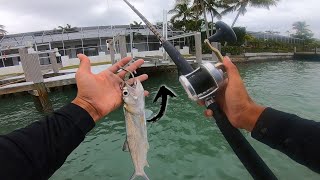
[[294, 136], [38, 150]]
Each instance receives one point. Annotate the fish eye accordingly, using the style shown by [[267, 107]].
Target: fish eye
[[125, 93]]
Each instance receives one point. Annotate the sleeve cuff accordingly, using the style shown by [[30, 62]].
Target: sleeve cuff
[[80, 117]]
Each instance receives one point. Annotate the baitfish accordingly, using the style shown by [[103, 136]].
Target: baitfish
[[136, 142]]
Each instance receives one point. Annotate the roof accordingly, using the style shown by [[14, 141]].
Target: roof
[[58, 35]]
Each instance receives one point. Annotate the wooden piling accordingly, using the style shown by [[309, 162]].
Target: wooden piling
[[198, 44], [54, 63], [31, 67], [112, 51], [41, 98], [123, 46]]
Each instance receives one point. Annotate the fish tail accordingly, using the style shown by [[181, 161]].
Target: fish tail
[[139, 174]]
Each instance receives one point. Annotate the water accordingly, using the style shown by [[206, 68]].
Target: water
[[184, 144]]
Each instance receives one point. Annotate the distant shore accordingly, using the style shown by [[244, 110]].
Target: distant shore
[[257, 57]]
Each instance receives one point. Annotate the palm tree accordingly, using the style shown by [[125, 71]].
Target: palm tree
[[212, 7], [302, 30], [241, 5], [2, 30], [61, 28], [68, 27], [199, 7], [181, 11], [135, 24]]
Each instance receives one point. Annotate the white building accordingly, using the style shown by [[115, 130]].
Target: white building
[[91, 41]]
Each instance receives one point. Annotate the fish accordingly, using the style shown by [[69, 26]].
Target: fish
[[136, 141]]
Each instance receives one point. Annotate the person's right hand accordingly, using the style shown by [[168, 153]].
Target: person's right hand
[[234, 100], [99, 94]]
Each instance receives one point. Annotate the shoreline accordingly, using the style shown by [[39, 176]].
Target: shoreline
[[261, 57]]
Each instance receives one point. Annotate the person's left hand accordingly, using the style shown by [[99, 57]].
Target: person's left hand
[[99, 94]]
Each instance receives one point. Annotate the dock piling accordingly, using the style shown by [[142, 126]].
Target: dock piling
[[54, 63], [198, 44], [111, 49], [31, 68], [123, 46]]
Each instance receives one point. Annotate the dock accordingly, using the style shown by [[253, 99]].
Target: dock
[[67, 77]]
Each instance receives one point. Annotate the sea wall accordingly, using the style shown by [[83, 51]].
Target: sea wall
[[309, 56], [257, 57]]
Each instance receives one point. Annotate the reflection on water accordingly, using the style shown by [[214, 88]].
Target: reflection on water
[[184, 144]]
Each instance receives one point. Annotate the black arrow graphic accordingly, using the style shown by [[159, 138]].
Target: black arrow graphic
[[163, 93]]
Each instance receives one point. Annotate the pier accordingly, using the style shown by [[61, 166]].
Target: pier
[[67, 77], [40, 62]]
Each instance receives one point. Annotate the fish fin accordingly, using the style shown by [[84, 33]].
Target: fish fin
[[125, 146], [141, 174]]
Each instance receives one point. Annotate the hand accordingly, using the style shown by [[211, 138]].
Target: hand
[[235, 101], [99, 94]]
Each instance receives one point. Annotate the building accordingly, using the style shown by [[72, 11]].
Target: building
[[91, 41], [275, 37]]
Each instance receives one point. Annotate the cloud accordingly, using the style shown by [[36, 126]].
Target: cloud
[[281, 17], [34, 15]]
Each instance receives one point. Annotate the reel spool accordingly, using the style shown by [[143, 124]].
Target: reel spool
[[203, 82]]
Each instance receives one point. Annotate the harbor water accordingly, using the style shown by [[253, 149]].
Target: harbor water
[[184, 144]]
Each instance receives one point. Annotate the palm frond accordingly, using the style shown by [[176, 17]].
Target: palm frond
[[230, 9], [172, 11], [3, 32], [263, 3], [216, 14], [175, 17]]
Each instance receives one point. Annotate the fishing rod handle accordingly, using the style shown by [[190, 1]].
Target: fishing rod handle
[[242, 148]]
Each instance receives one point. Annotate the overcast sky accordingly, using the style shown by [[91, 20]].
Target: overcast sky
[[33, 15]]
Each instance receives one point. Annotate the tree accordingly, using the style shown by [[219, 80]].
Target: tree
[[212, 7], [241, 33], [67, 28], [136, 25], [2, 30], [186, 14], [241, 6], [301, 30], [182, 13], [135, 35], [199, 7]]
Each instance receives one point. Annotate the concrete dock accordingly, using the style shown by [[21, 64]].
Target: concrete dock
[[67, 77], [152, 65]]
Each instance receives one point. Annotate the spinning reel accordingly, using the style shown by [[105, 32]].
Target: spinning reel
[[203, 83]]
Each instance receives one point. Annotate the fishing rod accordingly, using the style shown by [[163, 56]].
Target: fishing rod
[[202, 84]]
